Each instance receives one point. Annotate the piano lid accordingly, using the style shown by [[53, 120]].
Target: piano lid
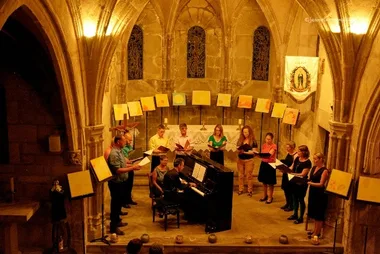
[[210, 162]]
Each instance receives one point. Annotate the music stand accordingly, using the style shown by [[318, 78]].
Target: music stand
[[102, 174]]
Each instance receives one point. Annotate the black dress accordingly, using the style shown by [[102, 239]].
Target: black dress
[[288, 161], [317, 196]]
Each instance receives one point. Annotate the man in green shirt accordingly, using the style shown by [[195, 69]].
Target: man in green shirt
[[128, 184]]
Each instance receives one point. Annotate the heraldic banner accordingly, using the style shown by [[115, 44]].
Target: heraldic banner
[[301, 75]]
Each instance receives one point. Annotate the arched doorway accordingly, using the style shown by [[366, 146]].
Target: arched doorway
[[37, 105]]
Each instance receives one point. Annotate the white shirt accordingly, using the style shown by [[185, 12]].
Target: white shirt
[[181, 140]]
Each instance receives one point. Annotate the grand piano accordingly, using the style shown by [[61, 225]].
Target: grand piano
[[211, 200]]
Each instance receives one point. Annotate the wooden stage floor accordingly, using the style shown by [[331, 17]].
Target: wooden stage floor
[[264, 222]]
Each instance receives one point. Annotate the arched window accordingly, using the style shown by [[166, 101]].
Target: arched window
[[196, 52], [135, 54], [260, 59]]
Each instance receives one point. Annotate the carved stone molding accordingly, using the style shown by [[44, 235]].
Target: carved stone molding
[[74, 157], [94, 134], [167, 86], [339, 129], [340, 140]]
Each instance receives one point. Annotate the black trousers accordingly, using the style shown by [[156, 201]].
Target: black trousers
[[128, 185], [116, 191]]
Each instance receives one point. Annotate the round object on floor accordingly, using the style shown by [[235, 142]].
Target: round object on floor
[[212, 238], [145, 238], [283, 239], [179, 239], [248, 239]]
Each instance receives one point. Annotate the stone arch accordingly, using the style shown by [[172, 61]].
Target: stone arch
[[62, 65], [363, 57], [124, 25], [149, 11], [319, 10], [368, 157]]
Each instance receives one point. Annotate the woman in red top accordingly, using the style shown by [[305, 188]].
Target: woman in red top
[[267, 174]]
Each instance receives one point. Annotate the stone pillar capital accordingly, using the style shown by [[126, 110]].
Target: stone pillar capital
[[75, 157], [340, 130], [94, 134]]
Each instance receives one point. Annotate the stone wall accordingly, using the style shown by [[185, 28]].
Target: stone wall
[[303, 42], [32, 116], [165, 70]]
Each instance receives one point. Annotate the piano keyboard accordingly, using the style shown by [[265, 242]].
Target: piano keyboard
[[198, 191]]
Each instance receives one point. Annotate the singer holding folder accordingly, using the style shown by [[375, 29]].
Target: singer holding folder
[[158, 143], [216, 143], [300, 168], [267, 174], [184, 143], [246, 146]]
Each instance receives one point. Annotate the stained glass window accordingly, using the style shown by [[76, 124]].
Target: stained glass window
[[135, 54], [196, 52], [260, 59]]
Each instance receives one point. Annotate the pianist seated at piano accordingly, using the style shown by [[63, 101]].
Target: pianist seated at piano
[[174, 187], [158, 175]]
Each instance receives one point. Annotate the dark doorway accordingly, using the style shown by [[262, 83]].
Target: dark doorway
[[4, 145]]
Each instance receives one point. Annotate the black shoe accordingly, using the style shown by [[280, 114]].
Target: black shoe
[[264, 199], [126, 206], [269, 201], [284, 206], [117, 231], [293, 217], [288, 209], [298, 221], [310, 232], [122, 224], [133, 203], [123, 213]]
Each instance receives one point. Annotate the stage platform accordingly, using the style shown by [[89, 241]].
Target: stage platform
[[264, 222]]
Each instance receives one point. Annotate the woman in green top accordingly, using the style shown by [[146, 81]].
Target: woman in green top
[[216, 143]]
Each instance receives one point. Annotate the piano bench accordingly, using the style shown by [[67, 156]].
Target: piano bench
[[166, 208]]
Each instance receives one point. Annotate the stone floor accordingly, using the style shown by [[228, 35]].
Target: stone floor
[[265, 223]]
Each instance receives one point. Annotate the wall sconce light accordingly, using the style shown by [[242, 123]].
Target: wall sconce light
[[55, 143], [89, 28]]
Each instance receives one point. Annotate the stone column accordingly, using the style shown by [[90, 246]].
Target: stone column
[[94, 144], [225, 86], [340, 140]]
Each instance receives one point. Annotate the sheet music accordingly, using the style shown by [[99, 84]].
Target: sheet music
[[149, 152], [290, 176], [199, 172], [277, 163], [144, 161]]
